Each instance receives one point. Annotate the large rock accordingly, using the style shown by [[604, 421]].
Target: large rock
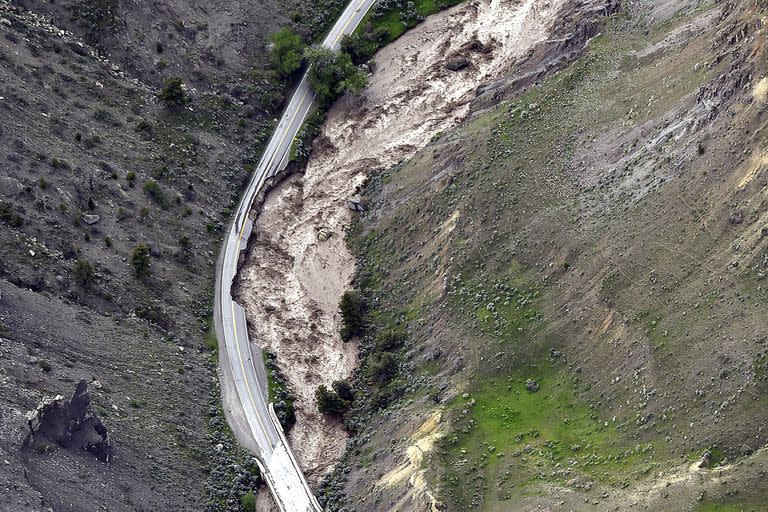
[[457, 62], [71, 424], [10, 186], [91, 219]]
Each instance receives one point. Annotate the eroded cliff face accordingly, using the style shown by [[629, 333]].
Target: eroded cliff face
[[423, 84]]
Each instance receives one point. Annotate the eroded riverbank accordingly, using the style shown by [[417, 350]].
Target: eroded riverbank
[[298, 264]]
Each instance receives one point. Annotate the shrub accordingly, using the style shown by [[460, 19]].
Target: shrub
[[83, 272], [248, 502], [329, 402], [44, 365], [185, 245], [174, 92], [153, 190], [382, 367], [96, 15], [361, 47], [390, 339], [352, 307], [10, 217], [143, 126], [140, 260], [287, 51], [43, 183], [343, 389]]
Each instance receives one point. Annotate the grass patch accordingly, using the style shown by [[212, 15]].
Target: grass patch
[[279, 393], [211, 341], [506, 434], [396, 20]]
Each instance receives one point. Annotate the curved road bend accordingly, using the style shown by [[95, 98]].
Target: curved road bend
[[242, 373]]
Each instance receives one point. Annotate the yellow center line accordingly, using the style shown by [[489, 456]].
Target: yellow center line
[[242, 366], [234, 321], [341, 32], [240, 238]]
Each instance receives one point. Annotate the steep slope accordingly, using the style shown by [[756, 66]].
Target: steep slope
[[579, 271], [298, 265], [94, 166]]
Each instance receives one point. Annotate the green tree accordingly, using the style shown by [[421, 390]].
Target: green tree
[[329, 402], [361, 47], [390, 339], [382, 367], [343, 389], [174, 92], [352, 308], [83, 272], [332, 73], [287, 51], [140, 260]]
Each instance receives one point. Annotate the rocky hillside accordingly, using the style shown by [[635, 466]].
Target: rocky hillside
[[576, 276], [112, 203]]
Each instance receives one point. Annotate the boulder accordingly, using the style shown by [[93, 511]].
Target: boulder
[[457, 62], [10, 186], [71, 424], [356, 204], [91, 219], [531, 385]]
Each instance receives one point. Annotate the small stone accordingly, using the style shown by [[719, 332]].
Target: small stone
[[6, 22]]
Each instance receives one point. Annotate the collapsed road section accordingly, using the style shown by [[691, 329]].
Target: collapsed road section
[[242, 374]]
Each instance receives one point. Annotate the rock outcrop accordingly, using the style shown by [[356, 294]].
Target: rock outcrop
[[71, 424]]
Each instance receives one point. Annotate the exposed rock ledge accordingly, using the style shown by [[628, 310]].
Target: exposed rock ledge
[[71, 424]]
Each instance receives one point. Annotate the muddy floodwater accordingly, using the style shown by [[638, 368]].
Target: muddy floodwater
[[299, 266]]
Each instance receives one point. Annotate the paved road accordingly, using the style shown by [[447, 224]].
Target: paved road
[[242, 373]]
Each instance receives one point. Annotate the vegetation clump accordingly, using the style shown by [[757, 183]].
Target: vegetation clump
[[96, 15], [336, 401], [352, 307], [287, 53], [248, 502], [140, 261], [280, 395], [83, 272], [332, 73], [174, 92], [10, 217], [153, 190]]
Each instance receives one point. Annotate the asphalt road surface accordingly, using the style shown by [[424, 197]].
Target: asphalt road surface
[[242, 373]]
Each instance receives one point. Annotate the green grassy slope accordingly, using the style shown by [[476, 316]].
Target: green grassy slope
[[601, 234]]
